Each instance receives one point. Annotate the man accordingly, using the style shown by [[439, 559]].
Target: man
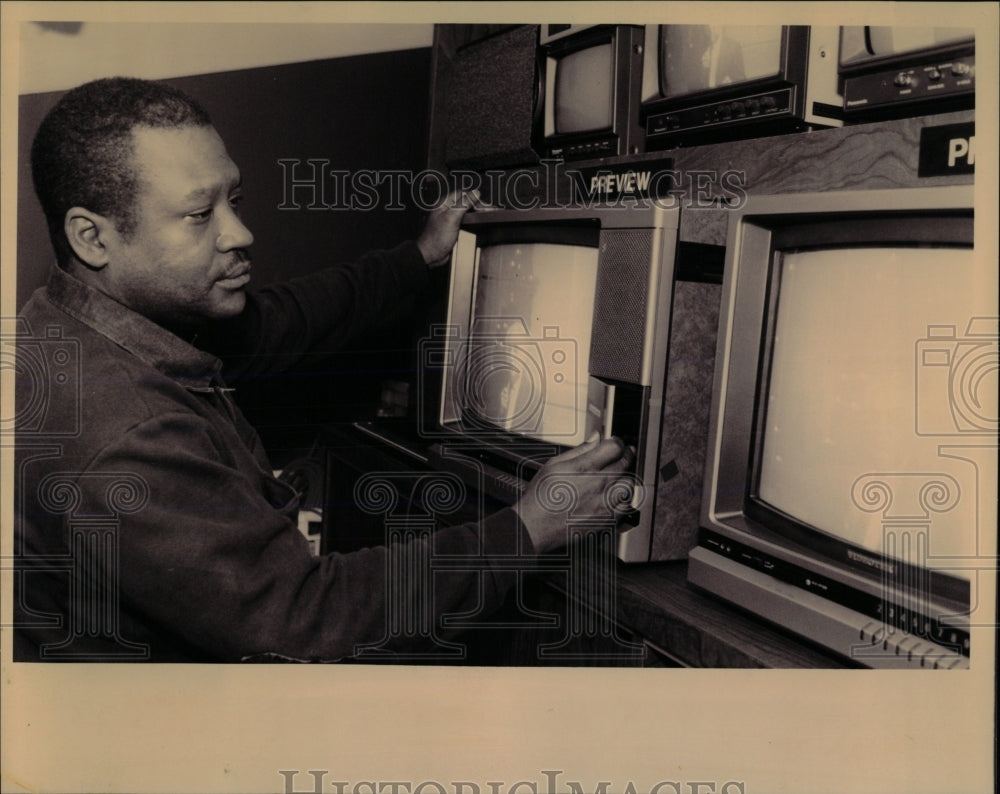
[[149, 524]]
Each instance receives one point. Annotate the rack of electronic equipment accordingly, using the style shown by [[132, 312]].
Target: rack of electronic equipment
[[753, 158]]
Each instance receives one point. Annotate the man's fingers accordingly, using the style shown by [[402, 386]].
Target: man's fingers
[[625, 462], [459, 200], [582, 449], [607, 455], [598, 454]]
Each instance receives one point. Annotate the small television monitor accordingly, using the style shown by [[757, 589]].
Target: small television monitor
[[850, 490], [558, 328], [590, 90], [703, 83], [891, 72]]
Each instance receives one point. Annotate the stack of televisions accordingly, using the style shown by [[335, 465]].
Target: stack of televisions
[[817, 434], [583, 92]]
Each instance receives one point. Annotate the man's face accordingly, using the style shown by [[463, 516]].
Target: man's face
[[186, 259]]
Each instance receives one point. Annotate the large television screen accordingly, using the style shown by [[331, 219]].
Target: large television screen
[[852, 464], [866, 342]]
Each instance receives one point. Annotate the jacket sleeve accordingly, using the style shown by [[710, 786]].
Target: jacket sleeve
[[322, 312], [213, 558]]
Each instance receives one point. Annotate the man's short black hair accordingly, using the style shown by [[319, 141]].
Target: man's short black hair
[[82, 153]]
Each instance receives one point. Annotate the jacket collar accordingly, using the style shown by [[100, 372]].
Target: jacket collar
[[149, 342]]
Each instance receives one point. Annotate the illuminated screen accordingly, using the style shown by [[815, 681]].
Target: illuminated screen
[[883, 377], [700, 57], [584, 90], [529, 354]]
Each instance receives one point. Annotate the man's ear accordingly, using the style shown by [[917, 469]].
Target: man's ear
[[88, 234]]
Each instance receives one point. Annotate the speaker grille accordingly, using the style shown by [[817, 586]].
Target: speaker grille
[[620, 313], [491, 101]]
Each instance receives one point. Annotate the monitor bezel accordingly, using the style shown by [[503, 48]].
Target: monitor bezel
[[648, 231], [791, 72], [758, 235], [849, 64], [576, 225], [624, 134], [554, 54], [557, 57]]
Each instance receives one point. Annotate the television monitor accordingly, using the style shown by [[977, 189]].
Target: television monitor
[[891, 72], [590, 90], [851, 479], [558, 327], [703, 83]]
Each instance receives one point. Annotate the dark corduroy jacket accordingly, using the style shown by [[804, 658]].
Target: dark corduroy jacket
[[149, 525]]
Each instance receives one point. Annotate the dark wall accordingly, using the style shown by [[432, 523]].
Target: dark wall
[[359, 112]]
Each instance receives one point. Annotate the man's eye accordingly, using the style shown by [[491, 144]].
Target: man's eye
[[236, 202], [204, 215]]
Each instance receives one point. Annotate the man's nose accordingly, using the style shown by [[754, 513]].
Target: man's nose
[[234, 234]]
